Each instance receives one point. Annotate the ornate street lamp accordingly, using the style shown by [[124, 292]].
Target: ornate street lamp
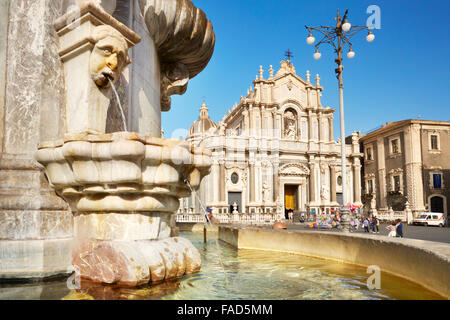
[[338, 37]]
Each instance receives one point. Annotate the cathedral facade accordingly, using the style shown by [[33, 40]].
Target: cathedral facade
[[274, 151]]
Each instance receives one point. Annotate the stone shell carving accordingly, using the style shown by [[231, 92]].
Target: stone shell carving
[[124, 171], [184, 39]]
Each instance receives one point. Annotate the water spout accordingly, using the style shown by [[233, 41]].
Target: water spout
[[118, 102], [208, 222]]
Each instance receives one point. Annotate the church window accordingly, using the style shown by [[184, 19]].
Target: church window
[[234, 178], [396, 183], [434, 142], [369, 155], [394, 146], [437, 181]]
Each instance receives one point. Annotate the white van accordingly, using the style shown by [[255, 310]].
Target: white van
[[430, 219]]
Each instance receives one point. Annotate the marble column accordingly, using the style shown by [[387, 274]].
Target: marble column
[[310, 126], [312, 182], [330, 120], [276, 183], [299, 196], [251, 122], [278, 124], [320, 127], [357, 183], [222, 182], [252, 182], [333, 183], [381, 173], [215, 174]]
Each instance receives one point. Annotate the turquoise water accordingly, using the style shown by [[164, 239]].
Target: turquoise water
[[245, 274]]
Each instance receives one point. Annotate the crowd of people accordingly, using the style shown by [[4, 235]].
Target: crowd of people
[[330, 220]]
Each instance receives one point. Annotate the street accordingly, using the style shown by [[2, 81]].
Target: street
[[409, 231]]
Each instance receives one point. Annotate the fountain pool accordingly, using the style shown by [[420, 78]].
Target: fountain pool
[[250, 274]]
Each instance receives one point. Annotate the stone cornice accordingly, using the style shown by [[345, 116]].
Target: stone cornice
[[399, 125]]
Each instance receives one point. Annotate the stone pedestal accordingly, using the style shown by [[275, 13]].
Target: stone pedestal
[[35, 224]]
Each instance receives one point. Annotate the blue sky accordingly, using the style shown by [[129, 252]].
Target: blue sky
[[404, 73]]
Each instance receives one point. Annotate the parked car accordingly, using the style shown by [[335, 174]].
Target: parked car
[[430, 219]]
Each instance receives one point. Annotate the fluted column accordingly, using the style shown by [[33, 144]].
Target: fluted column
[[310, 126], [320, 128], [330, 126], [357, 182], [333, 183], [278, 124], [312, 181], [222, 182], [252, 182], [276, 183]]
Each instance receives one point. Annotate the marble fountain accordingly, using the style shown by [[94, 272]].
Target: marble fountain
[[87, 184], [123, 187]]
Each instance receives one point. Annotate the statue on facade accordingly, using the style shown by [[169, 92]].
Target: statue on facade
[[266, 192], [324, 192], [290, 126]]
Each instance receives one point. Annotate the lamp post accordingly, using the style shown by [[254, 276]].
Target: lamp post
[[338, 37]]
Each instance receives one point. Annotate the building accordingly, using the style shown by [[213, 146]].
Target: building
[[274, 150], [411, 158]]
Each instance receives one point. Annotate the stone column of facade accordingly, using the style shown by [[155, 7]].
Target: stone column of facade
[[333, 184], [222, 182], [319, 123], [356, 181], [251, 121], [252, 182], [263, 122], [276, 183], [310, 126], [381, 173], [278, 124], [35, 224], [413, 163], [330, 126], [312, 181], [245, 125]]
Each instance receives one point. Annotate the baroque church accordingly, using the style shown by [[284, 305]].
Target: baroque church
[[275, 151]]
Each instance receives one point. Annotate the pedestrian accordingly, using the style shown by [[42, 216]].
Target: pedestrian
[[378, 225], [366, 225], [399, 228], [291, 214], [374, 225], [392, 229]]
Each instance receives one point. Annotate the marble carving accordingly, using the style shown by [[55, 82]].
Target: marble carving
[[124, 187]]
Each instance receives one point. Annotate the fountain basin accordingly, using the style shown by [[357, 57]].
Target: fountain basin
[[396, 256], [122, 189]]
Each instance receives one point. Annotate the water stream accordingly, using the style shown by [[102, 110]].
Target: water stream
[[208, 222], [251, 274], [120, 104]]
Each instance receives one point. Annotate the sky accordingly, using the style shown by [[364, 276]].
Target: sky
[[404, 73]]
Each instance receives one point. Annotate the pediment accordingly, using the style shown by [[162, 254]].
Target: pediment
[[294, 169]]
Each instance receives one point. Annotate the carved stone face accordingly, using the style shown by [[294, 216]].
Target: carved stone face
[[108, 58]]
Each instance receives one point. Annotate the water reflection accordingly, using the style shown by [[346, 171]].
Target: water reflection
[[246, 274]]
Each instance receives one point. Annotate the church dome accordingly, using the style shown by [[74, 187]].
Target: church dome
[[203, 123]]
